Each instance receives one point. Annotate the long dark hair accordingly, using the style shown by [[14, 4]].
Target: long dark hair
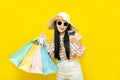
[[57, 42]]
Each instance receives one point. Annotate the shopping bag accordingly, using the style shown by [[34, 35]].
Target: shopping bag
[[27, 61], [18, 56], [36, 66], [47, 63], [34, 58]]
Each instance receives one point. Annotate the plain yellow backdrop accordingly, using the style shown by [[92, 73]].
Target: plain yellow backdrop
[[97, 21]]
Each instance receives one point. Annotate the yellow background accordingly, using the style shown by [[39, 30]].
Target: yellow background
[[97, 21]]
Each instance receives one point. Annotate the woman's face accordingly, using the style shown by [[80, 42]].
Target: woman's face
[[61, 25]]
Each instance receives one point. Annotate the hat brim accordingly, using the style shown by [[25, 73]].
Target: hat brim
[[51, 23]]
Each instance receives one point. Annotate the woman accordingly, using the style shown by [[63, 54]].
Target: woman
[[65, 47]]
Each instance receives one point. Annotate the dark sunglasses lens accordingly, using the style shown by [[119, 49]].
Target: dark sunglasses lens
[[65, 24], [59, 22]]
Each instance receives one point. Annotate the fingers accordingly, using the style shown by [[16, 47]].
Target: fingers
[[43, 39], [74, 55]]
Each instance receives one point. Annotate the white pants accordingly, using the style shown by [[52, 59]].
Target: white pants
[[69, 70]]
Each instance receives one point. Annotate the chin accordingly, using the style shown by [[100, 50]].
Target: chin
[[61, 31]]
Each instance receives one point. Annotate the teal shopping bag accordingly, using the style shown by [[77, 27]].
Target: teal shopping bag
[[48, 65], [18, 56]]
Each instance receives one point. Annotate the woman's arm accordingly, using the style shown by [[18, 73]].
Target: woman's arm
[[49, 46], [76, 45], [50, 49]]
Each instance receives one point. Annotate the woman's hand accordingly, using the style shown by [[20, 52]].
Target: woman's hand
[[43, 38], [73, 55], [72, 38]]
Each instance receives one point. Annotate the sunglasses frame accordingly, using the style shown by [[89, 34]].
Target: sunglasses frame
[[62, 23]]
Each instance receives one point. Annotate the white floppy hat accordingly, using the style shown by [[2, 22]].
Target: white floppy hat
[[60, 16]]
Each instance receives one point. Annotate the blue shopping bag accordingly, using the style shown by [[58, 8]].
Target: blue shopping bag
[[48, 65]]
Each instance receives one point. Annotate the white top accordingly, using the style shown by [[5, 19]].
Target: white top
[[75, 47]]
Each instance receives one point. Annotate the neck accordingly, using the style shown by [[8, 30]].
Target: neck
[[62, 33]]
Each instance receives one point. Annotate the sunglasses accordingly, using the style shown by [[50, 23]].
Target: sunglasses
[[62, 23]]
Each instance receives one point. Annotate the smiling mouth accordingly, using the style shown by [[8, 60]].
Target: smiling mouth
[[61, 28]]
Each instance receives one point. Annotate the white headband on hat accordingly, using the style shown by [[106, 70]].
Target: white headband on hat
[[65, 16]]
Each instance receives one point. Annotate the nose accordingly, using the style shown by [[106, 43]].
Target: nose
[[62, 25]]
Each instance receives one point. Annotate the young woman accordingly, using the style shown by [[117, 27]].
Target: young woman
[[66, 47]]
